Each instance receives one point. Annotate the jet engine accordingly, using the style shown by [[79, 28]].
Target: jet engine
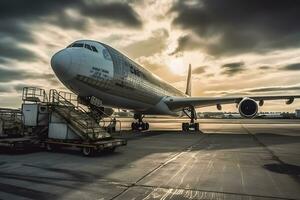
[[248, 108]]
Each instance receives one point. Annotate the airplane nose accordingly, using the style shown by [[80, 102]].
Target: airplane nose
[[61, 62]]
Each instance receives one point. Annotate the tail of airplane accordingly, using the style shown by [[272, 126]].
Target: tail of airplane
[[188, 90]]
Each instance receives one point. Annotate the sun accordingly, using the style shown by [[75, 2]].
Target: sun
[[177, 66]]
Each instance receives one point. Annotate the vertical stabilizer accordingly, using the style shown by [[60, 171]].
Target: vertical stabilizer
[[188, 90]]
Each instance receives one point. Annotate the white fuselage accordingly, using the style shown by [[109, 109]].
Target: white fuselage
[[89, 68]]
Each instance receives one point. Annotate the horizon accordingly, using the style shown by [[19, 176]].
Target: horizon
[[233, 49]]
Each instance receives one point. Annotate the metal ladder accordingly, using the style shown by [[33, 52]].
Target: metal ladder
[[77, 117], [98, 116]]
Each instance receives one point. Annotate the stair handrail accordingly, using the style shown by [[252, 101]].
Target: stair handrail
[[34, 92], [55, 97], [111, 120]]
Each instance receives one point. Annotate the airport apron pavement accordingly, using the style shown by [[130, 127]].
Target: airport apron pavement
[[226, 161]]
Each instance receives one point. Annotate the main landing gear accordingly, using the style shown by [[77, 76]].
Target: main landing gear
[[139, 125], [191, 113]]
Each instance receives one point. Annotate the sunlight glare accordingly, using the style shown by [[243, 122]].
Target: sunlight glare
[[177, 66]]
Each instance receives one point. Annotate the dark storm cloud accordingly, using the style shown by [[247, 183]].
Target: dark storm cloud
[[17, 16], [291, 67], [117, 11], [235, 26], [231, 69], [37, 9], [12, 50], [264, 67], [185, 42], [11, 74], [199, 70]]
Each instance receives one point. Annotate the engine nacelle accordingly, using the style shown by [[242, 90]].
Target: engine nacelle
[[248, 108]]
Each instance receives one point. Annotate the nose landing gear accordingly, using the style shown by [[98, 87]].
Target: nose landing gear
[[139, 125], [191, 113]]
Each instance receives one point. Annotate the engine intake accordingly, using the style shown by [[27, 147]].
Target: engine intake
[[248, 108]]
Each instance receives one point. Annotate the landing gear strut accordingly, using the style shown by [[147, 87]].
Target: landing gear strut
[[139, 125], [191, 113]]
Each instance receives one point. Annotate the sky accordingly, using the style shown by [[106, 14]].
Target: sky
[[235, 47]]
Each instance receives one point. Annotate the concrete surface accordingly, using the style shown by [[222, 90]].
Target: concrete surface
[[230, 160]]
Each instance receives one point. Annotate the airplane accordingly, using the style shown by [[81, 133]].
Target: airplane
[[103, 78]]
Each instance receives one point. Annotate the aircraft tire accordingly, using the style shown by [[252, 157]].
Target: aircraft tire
[[87, 151], [133, 126], [185, 127]]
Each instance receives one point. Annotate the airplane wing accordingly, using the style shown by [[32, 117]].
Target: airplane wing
[[175, 103]]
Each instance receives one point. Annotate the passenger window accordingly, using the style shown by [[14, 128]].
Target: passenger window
[[94, 49], [77, 45], [87, 46]]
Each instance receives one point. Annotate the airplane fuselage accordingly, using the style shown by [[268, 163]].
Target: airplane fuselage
[[90, 68]]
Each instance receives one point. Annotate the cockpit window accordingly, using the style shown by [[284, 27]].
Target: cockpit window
[[94, 49], [77, 45], [82, 45], [87, 46]]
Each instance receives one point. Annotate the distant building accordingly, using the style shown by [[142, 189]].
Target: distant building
[[297, 113]]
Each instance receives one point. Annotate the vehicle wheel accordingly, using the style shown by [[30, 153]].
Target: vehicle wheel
[[197, 127], [147, 126], [133, 127], [143, 125], [110, 150], [49, 147], [87, 151]]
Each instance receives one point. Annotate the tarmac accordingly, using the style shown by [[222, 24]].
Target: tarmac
[[230, 159]]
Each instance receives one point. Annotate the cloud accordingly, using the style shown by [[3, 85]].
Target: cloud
[[150, 63], [231, 69], [186, 42], [291, 67], [156, 43], [17, 18], [116, 11], [233, 27], [12, 50], [35, 10], [264, 67], [199, 70], [12, 74], [253, 91], [4, 88], [275, 89]]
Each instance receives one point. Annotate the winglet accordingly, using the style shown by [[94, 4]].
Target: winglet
[[188, 90]]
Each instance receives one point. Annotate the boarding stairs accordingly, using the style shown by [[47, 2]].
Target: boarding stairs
[[84, 125]]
